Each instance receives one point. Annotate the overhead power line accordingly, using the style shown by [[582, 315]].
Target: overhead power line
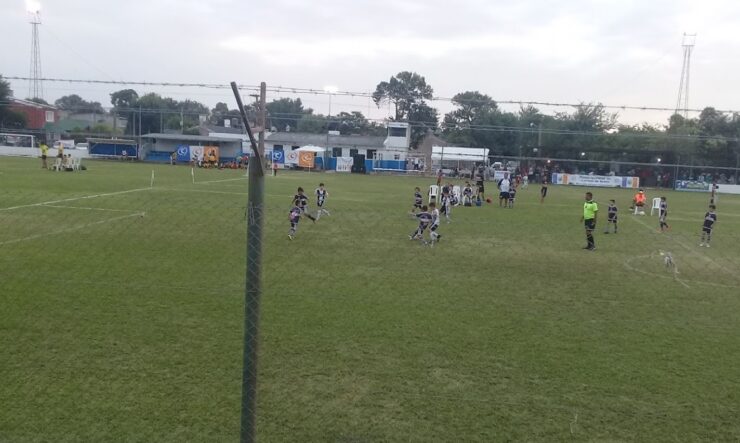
[[297, 90]]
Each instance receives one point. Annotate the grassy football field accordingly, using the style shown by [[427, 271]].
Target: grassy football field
[[122, 308]]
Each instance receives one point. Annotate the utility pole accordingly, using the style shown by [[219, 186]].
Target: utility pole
[[253, 289]]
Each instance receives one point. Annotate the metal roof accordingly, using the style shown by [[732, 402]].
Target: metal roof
[[189, 138]]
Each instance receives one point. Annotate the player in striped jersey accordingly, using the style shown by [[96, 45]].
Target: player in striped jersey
[[294, 216], [710, 218], [435, 236], [418, 200], [425, 219], [611, 216], [321, 196], [662, 214], [301, 200]]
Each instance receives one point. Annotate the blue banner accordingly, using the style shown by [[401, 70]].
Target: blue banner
[[278, 157], [183, 153]]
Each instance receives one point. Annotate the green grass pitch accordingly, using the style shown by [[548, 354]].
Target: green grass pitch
[[122, 308]]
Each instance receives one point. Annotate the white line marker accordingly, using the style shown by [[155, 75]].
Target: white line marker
[[73, 199], [220, 181], [151, 183], [75, 228], [128, 211]]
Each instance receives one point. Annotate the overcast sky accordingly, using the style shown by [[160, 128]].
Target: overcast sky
[[619, 52]]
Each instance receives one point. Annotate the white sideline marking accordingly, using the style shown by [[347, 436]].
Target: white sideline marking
[[89, 209], [73, 199], [701, 282], [75, 228], [219, 181], [685, 246]]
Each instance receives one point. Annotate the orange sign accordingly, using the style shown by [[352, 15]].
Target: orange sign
[[211, 153], [305, 159]]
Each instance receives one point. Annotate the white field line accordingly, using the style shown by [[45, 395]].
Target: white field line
[[74, 228], [90, 209], [685, 246], [73, 199], [628, 265], [220, 181]]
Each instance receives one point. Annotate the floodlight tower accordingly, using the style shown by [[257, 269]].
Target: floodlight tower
[[35, 88], [682, 104]]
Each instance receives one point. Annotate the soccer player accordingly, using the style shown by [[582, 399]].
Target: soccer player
[[294, 216], [479, 183], [662, 214], [710, 218], [321, 195], [503, 186], [467, 195], [425, 218], [590, 212], [611, 217], [446, 202], [543, 189], [301, 200], [512, 196], [418, 199], [435, 236]]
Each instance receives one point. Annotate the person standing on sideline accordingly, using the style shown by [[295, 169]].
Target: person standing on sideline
[[60, 154], [543, 190], [590, 212], [611, 216], [44, 153], [662, 214], [503, 186]]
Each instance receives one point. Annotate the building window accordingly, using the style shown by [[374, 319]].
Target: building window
[[352, 152], [293, 148], [396, 157], [336, 152], [49, 116], [277, 147], [396, 132]]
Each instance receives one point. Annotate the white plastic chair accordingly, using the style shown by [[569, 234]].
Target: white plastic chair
[[433, 193], [57, 166], [457, 194], [655, 207]]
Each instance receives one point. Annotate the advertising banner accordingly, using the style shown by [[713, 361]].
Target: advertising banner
[[601, 181], [691, 185], [291, 158], [211, 153], [306, 159], [278, 157], [344, 164], [183, 154]]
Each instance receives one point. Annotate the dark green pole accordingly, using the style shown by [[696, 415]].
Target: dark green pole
[[253, 290]]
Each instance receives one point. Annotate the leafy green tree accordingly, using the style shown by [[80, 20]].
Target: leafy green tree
[[402, 91], [285, 112], [8, 117], [125, 98], [76, 104]]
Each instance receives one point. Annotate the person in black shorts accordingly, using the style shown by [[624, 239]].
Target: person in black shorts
[[418, 199], [611, 216], [543, 189], [590, 211], [710, 218], [479, 183]]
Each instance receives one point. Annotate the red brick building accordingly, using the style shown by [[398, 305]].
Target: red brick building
[[37, 115]]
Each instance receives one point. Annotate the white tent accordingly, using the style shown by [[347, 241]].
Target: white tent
[[456, 153], [311, 148]]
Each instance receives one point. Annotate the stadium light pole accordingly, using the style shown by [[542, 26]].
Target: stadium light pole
[[331, 90], [253, 289]]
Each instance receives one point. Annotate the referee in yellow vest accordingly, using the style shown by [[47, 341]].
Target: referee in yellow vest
[[44, 152], [590, 213]]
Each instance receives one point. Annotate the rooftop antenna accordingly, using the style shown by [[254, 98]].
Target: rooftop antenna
[[35, 88], [682, 104]]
